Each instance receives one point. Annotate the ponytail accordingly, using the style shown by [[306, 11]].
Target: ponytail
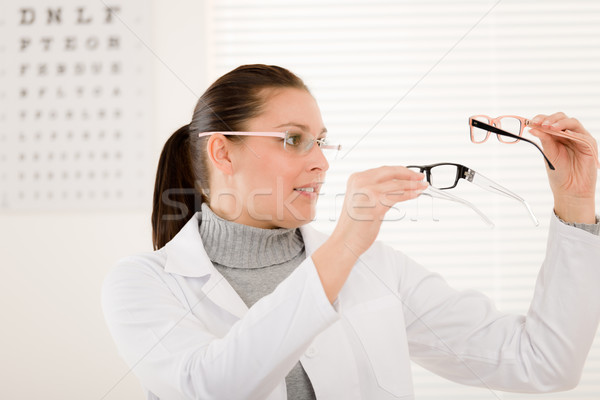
[[175, 196]]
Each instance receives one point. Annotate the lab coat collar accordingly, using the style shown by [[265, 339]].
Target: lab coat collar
[[185, 252], [186, 255], [312, 238]]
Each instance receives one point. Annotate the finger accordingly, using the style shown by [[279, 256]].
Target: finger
[[568, 126], [548, 120], [398, 186], [551, 119], [571, 124], [560, 121], [556, 116], [390, 199], [549, 142], [382, 174], [394, 187], [538, 119], [396, 191], [386, 173]]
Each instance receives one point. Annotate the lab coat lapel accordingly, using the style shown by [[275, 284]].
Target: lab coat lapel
[[220, 292], [187, 257], [312, 239]]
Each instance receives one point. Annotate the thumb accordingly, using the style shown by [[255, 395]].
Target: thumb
[[549, 143]]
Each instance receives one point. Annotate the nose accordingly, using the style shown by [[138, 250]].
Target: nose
[[317, 160]]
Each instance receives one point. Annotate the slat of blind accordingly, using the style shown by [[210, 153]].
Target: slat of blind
[[397, 81]]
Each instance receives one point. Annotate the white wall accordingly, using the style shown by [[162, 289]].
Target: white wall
[[54, 342]]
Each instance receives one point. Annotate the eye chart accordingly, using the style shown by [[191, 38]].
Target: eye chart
[[75, 105]]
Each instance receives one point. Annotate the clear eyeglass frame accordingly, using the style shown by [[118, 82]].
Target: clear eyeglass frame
[[293, 142], [449, 174], [441, 194]]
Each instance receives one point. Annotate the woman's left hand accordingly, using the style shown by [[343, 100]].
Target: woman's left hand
[[573, 182]]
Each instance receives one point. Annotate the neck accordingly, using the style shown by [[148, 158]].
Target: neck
[[241, 246], [247, 214]]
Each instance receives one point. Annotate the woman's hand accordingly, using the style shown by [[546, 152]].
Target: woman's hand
[[369, 195], [573, 183]]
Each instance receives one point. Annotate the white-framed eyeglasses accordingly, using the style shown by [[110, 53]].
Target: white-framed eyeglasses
[[293, 142]]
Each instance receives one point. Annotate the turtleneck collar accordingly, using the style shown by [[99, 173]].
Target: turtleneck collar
[[241, 246]]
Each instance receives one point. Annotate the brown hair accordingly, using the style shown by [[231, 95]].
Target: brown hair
[[182, 174]]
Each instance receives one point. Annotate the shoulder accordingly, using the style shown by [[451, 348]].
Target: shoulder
[[138, 268]]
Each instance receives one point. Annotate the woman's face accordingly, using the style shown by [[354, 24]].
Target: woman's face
[[271, 187]]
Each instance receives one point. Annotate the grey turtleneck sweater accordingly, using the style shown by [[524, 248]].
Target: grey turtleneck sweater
[[254, 261]]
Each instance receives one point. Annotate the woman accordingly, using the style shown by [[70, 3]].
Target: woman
[[243, 300]]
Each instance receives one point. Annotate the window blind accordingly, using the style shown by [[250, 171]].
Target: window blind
[[396, 82]]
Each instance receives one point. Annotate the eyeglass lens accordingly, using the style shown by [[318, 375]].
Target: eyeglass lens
[[302, 143], [443, 176], [440, 176], [297, 143], [508, 124]]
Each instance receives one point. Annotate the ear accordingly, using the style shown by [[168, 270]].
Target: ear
[[218, 149]]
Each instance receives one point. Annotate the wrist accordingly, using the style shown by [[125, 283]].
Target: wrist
[[334, 262], [338, 249], [575, 210]]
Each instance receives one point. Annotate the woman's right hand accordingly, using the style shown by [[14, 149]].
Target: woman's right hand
[[369, 195]]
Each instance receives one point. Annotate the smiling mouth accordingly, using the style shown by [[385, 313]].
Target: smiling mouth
[[306, 189]]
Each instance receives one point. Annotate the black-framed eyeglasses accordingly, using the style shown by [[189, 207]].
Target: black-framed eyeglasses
[[446, 175], [480, 131]]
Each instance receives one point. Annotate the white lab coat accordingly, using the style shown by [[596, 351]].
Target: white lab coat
[[187, 334]]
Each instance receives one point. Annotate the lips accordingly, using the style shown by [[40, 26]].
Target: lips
[[310, 188]]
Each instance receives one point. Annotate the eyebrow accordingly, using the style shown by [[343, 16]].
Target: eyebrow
[[301, 126]]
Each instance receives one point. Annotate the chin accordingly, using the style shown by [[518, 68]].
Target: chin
[[295, 221]]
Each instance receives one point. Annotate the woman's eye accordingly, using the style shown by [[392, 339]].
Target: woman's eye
[[293, 140]]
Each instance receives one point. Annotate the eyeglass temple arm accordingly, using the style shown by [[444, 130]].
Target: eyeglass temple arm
[[331, 146], [242, 133], [490, 185], [490, 128], [433, 192]]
